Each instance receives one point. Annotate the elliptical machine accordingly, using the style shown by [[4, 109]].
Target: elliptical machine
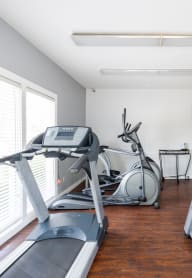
[[111, 176], [140, 186]]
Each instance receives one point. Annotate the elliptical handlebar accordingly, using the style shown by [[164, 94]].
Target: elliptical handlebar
[[135, 128], [78, 165], [127, 130], [120, 135], [124, 118], [128, 126], [123, 137]]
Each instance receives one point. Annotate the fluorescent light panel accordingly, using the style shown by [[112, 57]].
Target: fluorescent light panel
[[110, 71], [123, 39]]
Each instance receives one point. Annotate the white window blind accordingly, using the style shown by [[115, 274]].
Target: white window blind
[[24, 113], [10, 142], [40, 113]]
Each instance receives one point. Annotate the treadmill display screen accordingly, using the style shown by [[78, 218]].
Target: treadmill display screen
[[65, 136], [65, 133]]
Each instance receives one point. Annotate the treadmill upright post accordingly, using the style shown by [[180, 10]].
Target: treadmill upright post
[[96, 193], [188, 222], [32, 190]]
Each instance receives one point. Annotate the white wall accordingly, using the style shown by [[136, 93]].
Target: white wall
[[21, 57], [166, 117]]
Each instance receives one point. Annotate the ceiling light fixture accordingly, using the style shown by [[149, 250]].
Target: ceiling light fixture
[[130, 39], [123, 71]]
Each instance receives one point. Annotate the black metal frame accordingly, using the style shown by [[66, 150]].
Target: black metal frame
[[175, 153]]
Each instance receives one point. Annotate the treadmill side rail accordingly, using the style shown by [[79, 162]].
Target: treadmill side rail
[[96, 193], [83, 261], [188, 222], [13, 256]]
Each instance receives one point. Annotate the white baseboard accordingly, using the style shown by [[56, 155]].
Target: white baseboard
[[180, 178]]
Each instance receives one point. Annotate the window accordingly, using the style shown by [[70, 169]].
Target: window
[[40, 113], [25, 111], [10, 142]]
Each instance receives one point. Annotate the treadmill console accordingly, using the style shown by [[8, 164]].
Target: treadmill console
[[66, 136]]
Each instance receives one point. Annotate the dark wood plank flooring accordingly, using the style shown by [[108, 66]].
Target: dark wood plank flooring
[[142, 241]]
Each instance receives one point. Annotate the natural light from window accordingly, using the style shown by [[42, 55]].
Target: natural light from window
[[24, 113]]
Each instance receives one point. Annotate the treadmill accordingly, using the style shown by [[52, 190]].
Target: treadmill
[[62, 244], [188, 223]]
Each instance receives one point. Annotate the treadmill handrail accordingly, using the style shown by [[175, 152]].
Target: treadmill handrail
[[78, 165]]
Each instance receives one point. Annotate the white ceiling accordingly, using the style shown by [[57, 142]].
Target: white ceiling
[[48, 24]]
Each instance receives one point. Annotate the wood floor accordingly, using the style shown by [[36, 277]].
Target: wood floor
[[142, 241]]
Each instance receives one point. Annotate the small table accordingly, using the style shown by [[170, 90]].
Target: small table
[[175, 153]]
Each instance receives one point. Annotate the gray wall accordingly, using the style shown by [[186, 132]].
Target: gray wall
[[22, 58]]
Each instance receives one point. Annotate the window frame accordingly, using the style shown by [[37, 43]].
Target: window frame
[[25, 85]]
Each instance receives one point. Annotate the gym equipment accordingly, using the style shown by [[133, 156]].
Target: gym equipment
[[62, 244], [155, 167], [113, 176], [136, 144], [188, 223], [138, 187], [109, 177]]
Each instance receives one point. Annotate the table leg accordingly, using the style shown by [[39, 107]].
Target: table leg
[[188, 166], [177, 168], [161, 169]]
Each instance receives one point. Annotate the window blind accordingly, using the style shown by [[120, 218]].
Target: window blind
[[24, 113], [40, 113], [10, 142]]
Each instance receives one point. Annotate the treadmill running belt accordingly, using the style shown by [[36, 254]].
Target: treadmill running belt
[[51, 258]]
